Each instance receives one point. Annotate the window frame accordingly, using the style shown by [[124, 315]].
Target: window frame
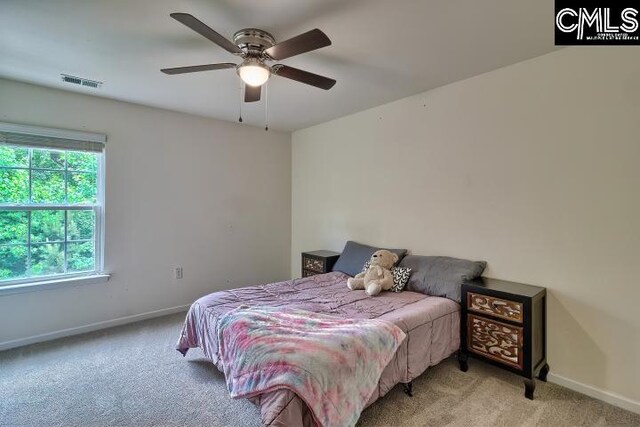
[[99, 228]]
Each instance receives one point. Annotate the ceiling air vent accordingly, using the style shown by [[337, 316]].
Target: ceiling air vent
[[80, 81]]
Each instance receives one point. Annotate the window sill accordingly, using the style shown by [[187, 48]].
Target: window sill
[[53, 284]]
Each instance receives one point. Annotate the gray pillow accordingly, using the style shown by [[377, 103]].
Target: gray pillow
[[354, 255], [440, 276]]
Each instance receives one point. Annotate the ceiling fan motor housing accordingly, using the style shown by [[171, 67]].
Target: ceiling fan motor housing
[[253, 41]]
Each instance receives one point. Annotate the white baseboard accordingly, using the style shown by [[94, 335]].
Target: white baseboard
[[596, 393], [6, 345]]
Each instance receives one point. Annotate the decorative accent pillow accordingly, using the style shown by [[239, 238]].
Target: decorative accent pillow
[[355, 254], [400, 277]]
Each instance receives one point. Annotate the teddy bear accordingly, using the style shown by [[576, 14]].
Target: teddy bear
[[378, 276]]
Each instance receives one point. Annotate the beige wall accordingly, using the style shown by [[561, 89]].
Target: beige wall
[[533, 167], [211, 196]]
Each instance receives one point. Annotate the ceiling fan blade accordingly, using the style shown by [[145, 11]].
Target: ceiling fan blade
[[252, 93], [311, 40], [205, 31], [303, 76], [196, 68]]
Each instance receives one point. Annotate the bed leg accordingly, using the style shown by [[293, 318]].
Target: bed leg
[[463, 357], [408, 388]]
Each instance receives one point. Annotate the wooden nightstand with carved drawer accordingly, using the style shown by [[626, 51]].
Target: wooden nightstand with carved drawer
[[504, 323], [318, 262]]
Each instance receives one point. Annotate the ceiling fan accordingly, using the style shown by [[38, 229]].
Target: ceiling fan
[[257, 47]]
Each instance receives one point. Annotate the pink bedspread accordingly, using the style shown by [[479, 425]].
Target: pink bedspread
[[266, 349], [431, 324]]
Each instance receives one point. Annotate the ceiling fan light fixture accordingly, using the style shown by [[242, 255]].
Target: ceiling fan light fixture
[[253, 72]]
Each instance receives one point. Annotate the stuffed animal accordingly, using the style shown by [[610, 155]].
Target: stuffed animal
[[378, 276]]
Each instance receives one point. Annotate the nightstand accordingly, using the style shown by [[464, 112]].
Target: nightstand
[[318, 262], [504, 323]]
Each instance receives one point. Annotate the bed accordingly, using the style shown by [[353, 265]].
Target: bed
[[431, 325]]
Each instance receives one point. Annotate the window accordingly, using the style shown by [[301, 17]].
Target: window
[[51, 209]]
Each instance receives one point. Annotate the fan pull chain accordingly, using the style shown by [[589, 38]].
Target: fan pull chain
[[240, 118], [266, 106]]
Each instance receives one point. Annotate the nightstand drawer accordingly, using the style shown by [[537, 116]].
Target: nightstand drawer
[[504, 309], [313, 264], [495, 340]]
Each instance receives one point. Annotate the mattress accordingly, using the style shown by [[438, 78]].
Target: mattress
[[432, 325]]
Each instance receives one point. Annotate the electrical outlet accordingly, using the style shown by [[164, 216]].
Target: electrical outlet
[[178, 273]]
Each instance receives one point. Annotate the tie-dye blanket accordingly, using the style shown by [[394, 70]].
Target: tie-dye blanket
[[332, 364]]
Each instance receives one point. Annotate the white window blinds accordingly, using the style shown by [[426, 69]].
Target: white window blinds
[[50, 138]]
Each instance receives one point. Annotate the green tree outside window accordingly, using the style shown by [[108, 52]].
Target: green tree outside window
[[36, 240]]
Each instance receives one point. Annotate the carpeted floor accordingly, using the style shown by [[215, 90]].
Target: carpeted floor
[[132, 376]]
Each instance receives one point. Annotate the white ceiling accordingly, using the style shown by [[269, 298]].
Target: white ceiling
[[382, 49]]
